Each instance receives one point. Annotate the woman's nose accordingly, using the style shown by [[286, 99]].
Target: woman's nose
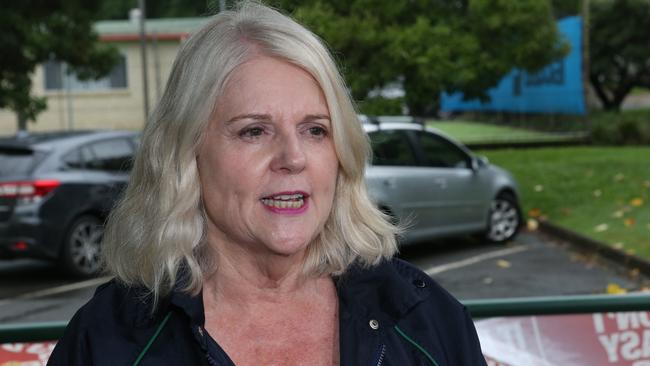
[[289, 155]]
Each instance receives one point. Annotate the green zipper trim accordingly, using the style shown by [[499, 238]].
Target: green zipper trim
[[153, 338], [420, 348]]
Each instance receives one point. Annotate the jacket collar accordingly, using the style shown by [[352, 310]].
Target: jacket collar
[[389, 289]]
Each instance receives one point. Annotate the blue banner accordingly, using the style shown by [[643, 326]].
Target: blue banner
[[555, 89]]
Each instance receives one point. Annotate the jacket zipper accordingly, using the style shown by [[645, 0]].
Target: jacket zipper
[[382, 353]]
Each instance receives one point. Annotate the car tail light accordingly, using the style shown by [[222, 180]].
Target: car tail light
[[28, 191]]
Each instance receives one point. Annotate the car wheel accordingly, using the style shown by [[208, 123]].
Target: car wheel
[[82, 246], [504, 218]]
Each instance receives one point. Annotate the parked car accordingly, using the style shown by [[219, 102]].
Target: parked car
[[436, 186], [56, 190]]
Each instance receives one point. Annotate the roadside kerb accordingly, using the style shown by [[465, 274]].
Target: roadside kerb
[[582, 242]]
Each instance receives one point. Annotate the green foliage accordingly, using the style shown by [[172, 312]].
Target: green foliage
[[619, 52], [380, 106], [32, 32], [615, 128], [432, 46]]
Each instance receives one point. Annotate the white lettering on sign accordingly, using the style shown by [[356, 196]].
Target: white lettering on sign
[[630, 349], [599, 323], [628, 345], [626, 321], [610, 342]]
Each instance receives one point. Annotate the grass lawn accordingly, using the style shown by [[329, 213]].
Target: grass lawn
[[468, 132], [601, 192]]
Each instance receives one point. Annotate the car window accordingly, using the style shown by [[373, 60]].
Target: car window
[[109, 155], [441, 153], [390, 147], [74, 159], [16, 162]]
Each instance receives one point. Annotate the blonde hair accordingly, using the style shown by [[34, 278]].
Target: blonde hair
[[158, 227]]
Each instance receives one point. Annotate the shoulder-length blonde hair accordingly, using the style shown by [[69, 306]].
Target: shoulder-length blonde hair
[[159, 225]]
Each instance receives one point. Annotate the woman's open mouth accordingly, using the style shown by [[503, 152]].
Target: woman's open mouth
[[285, 201]]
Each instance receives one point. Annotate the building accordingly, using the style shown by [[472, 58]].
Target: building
[[116, 101]]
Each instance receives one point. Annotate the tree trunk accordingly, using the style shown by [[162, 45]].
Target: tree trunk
[[22, 123]]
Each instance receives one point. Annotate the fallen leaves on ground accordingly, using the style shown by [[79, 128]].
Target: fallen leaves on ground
[[532, 224], [619, 177], [618, 214], [538, 188], [502, 263], [615, 289], [598, 193], [629, 222], [600, 228], [634, 273], [619, 245], [534, 212], [636, 202], [488, 280]]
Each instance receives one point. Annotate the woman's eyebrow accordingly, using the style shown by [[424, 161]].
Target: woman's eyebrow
[[266, 117], [316, 117], [253, 116]]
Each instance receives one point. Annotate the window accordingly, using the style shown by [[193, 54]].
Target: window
[[441, 153], [391, 148], [111, 155], [57, 78], [16, 161], [108, 155]]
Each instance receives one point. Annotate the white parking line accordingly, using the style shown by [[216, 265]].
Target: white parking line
[[57, 290], [475, 259]]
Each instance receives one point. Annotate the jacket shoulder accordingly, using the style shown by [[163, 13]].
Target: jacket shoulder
[[439, 320], [106, 323], [425, 286]]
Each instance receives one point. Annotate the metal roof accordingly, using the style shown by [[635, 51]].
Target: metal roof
[[168, 27]]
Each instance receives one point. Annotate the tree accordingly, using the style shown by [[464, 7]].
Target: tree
[[34, 31], [619, 49], [432, 45]]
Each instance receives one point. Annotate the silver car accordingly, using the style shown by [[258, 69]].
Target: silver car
[[437, 187]]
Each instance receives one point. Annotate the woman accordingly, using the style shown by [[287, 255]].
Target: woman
[[246, 235]]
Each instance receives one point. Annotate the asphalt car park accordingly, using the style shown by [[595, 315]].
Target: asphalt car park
[[533, 264]]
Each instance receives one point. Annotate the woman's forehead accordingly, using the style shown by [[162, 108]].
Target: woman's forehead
[[264, 85]]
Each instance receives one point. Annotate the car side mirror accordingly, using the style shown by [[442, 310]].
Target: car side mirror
[[479, 162]]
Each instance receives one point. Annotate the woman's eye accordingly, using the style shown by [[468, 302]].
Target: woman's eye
[[318, 131], [251, 132]]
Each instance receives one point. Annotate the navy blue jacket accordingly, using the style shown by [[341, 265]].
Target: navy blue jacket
[[390, 314]]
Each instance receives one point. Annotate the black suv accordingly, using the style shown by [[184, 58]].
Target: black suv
[[56, 190]]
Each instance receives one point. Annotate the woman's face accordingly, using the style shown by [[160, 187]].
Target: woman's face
[[267, 163]]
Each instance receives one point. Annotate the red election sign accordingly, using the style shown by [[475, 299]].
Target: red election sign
[[25, 354], [587, 339]]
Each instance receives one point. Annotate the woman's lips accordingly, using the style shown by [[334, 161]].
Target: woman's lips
[[286, 202]]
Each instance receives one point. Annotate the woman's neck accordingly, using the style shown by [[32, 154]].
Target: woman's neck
[[244, 276]]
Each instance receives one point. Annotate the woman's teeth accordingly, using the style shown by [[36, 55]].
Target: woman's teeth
[[284, 201]]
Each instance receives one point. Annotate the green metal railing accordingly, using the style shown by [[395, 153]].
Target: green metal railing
[[34, 332], [554, 305]]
